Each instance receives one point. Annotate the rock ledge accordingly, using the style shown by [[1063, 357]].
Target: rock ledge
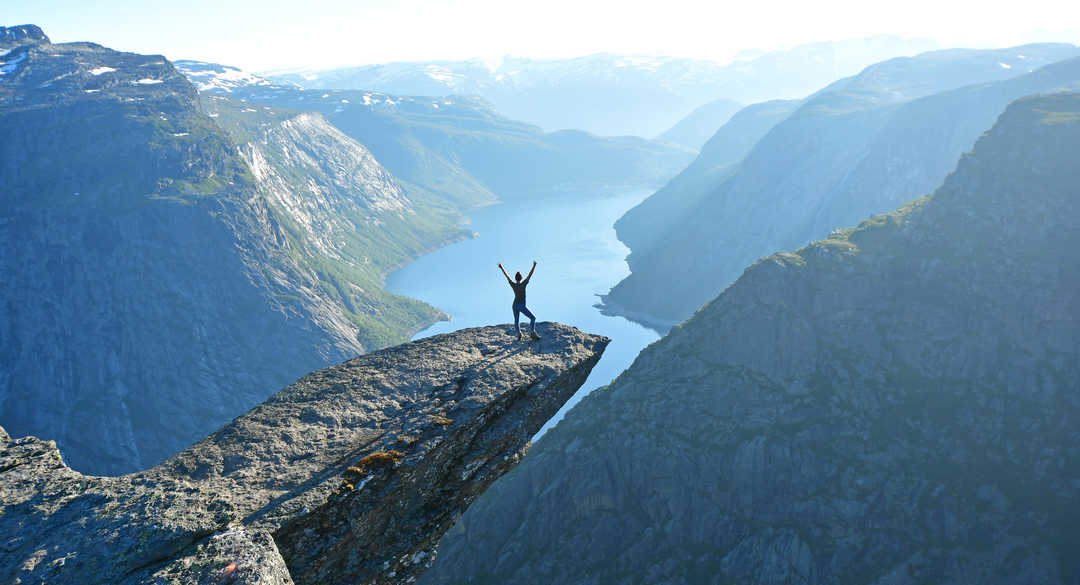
[[349, 475]]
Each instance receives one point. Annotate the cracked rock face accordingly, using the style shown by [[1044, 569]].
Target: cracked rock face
[[349, 475]]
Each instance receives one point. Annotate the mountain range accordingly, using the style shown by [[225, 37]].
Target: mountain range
[[616, 95], [860, 146], [891, 403], [460, 148], [895, 404], [156, 235], [147, 252]]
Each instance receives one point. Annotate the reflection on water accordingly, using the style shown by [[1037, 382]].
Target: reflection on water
[[579, 257]]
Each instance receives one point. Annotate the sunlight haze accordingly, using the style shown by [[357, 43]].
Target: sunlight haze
[[803, 292], [261, 36]]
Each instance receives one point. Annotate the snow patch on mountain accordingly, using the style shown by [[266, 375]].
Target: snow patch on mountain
[[12, 65], [443, 75], [644, 63], [212, 76]]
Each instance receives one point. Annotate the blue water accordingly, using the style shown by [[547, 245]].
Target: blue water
[[578, 255]]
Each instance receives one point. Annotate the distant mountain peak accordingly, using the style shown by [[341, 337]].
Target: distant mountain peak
[[33, 73], [614, 94], [17, 35], [224, 78]]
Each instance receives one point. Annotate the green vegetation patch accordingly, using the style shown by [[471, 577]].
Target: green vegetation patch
[[355, 282]]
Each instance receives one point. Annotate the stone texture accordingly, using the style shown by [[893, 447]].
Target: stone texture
[[13, 35], [274, 488]]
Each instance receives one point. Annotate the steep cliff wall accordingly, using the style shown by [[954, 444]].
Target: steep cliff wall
[[896, 404], [349, 475]]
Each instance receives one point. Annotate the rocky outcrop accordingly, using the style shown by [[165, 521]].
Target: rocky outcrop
[[24, 33], [896, 404], [349, 475]]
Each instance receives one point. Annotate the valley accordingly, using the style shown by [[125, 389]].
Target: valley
[[579, 258], [806, 314]]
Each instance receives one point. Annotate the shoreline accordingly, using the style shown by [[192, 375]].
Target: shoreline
[[599, 191], [658, 324]]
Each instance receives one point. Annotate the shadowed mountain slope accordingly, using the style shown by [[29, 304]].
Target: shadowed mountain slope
[[896, 404], [698, 126], [861, 146], [647, 224], [161, 274]]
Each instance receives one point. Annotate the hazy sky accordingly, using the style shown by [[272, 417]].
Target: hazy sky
[[271, 34]]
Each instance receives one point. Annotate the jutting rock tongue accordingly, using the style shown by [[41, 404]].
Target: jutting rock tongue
[[349, 475]]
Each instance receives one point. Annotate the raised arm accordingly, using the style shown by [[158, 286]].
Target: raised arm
[[531, 270], [507, 275]]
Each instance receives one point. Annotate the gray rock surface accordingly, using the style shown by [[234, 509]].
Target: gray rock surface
[[898, 403], [13, 35], [284, 493]]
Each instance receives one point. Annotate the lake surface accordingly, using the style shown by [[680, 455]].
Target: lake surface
[[578, 255]]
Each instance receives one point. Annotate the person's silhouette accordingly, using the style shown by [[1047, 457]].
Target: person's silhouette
[[519, 301]]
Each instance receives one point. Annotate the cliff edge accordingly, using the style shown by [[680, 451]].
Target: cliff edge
[[349, 475]]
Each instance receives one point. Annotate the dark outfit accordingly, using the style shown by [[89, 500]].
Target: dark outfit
[[519, 306]]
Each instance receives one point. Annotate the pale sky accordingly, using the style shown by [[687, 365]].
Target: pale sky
[[273, 34]]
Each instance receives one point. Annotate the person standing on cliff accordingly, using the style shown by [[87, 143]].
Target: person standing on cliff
[[519, 301]]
